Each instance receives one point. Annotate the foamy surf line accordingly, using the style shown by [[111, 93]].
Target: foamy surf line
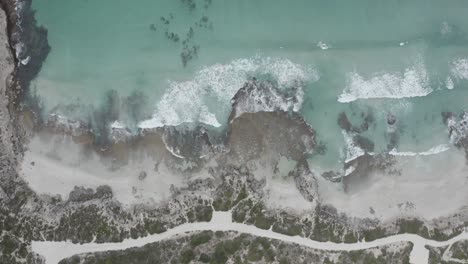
[[413, 82], [188, 101], [432, 151], [352, 151]]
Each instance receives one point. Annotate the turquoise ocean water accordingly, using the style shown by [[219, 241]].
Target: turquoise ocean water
[[186, 59]]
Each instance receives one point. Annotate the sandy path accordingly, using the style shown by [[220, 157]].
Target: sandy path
[[222, 221]]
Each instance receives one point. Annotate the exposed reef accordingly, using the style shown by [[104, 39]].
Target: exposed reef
[[254, 134], [256, 96], [457, 126]]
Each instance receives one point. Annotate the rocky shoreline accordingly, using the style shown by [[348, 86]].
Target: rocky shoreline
[[29, 45]]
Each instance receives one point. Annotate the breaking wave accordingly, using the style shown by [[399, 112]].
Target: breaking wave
[[263, 96], [434, 150], [207, 97], [413, 82], [459, 69], [352, 150]]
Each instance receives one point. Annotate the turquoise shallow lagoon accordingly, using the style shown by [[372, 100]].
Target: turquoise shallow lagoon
[[182, 61]]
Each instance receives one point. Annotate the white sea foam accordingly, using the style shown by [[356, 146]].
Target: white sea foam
[[188, 101], [459, 69], [207, 117], [264, 97], [445, 29], [19, 49], [26, 60], [349, 170], [352, 151], [432, 151], [323, 45], [61, 122], [413, 82], [449, 83], [119, 132], [173, 151], [118, 125]]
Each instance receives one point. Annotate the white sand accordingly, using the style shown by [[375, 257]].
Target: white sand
[[283, 194], [429, 186], [60, 164]]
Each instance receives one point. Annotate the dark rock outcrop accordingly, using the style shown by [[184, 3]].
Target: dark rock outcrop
[[257, 96], [305, 181], [457, 129], [344, 122], [252, 134], [187, 142]]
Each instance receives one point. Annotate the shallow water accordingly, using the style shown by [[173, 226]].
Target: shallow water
[[404, 58]]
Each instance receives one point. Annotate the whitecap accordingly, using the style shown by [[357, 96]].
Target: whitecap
[[216, 85], [413, 82]]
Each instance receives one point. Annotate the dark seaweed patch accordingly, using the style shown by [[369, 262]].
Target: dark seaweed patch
[[190, 4], [136, 106], [189, 49], [132, 109], [107, 113], [172, 36]]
